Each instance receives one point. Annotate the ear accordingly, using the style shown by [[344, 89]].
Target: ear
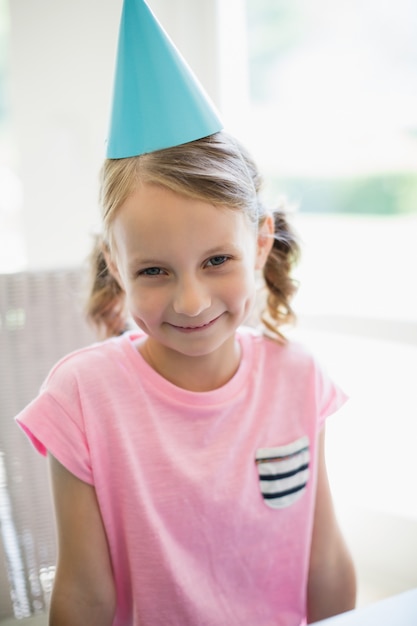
[[265, 241]]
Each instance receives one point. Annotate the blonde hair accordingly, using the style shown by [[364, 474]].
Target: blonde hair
[[216, 169]]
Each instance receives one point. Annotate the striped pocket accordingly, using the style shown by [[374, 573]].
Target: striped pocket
[[283, 472]]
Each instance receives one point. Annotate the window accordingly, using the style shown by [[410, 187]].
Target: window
[[333, 94]]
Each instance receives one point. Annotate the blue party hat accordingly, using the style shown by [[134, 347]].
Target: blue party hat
[[157, 101]]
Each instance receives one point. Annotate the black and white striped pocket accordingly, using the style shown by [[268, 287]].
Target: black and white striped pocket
[[283, 472]]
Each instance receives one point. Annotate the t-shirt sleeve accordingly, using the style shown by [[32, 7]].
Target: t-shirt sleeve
[[54, 423], [330, 397]]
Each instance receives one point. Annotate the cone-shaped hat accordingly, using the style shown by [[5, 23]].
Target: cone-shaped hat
[[157, 101]]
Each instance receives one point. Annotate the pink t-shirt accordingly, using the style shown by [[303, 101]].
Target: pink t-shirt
[[207, 498]]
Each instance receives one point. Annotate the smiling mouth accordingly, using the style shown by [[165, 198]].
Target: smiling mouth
[[200, 327]]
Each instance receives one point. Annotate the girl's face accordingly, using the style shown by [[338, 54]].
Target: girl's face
[[188, 269]]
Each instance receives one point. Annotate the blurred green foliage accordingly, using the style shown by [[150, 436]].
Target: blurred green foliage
[[276, 29], [383, 194]]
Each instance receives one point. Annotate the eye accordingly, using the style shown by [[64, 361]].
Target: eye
[[151, 271], [215, 261]]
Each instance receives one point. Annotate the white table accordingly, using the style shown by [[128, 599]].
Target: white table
[[400, 610]]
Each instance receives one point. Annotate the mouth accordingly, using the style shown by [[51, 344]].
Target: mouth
[[193, 329]]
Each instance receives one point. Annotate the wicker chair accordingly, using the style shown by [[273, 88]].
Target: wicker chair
[[40, 321]]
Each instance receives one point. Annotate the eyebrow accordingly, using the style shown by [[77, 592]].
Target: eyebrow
[[225, 247], [222, 248], [132, 265]]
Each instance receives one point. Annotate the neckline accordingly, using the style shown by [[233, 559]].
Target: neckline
[[164, 387]]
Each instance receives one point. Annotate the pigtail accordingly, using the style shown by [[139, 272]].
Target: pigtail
[[277, 276], [105, 306]]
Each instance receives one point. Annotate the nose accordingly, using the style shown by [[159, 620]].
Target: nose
[[191, 297]]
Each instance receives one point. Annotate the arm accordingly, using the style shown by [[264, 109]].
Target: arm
[[83, 591], [331, 580]]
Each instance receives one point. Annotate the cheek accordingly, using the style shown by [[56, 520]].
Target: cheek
[[136, 303], [145, 303], [242, 288]]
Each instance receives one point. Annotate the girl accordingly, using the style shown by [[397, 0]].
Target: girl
[[187, 455]]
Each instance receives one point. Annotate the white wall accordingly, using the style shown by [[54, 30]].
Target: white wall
[[62, 60]]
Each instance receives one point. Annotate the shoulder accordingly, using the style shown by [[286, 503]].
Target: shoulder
[[96, 361], [274, 351], [290, 368]]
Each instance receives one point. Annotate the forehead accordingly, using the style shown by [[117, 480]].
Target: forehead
[[155, 214]]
